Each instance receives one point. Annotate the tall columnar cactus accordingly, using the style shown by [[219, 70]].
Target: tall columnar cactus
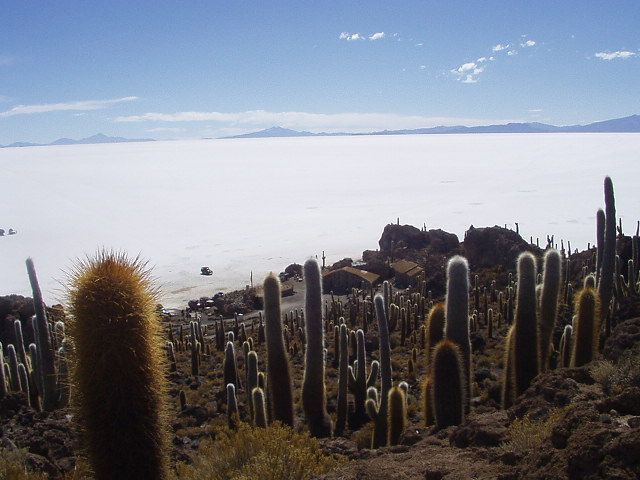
[[457, 316], [259, 410], [359, 382], [548, 304], [314, 401], [508, 387], [252, 378], [378, 410], [586, 328], [605, 282], [448, 389], [46, 356], [566, 346], [600, 225], [24, 381], [230, 368], [233, 415], [435, 328], [119, 368], [20, 350], [64, 387], [427, 407], [397, 415], [279, 392], [343, 378], [4, 389], [525, 341], [14, 376]]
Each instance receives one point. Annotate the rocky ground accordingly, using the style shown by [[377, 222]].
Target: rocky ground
[[579, 423]]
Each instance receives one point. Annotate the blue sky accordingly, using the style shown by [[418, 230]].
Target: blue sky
[[201, 68]]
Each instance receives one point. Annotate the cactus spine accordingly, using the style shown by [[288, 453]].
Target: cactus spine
[[397, 415], [586, 327], [457, 316], [525, 342], [46, 357], [279, 393], [548, 304], [119, 367], [313, 389], [448, 389]]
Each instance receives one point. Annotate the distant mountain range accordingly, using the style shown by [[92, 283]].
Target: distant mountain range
[[98, 138], [629, 124]]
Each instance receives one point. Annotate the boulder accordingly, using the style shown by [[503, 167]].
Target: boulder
[[490, 247]]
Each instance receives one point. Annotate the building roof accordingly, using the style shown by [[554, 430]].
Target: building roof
[[406, 267], [363, 274]]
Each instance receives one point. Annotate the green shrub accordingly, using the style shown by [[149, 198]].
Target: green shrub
[[273, 453]]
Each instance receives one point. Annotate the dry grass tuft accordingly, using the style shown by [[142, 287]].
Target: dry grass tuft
[[12, 466], [613, 378], [273, 453], [526, 435]]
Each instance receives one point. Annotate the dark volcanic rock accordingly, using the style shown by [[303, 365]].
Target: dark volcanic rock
[[494, 246], [623, 337], [408, 237]]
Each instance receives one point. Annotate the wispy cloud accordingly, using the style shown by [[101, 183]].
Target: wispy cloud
[[4, 98], [528, 43], [82, 105], [316, 122], [376, 36], [613, 55], [350, 37], [511, 53], [535, 110], [499, 47], [166, 130]]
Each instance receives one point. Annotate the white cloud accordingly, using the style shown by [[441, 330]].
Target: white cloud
[[422, 67], [482, 59], [528, 43], [535, 110], [60, 107], [468, 72], [511, 53], [613, 55], [499, 47], [350, 37], [377, 36], [465, 67], [419, 44], [318, 122], [4, 98]]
